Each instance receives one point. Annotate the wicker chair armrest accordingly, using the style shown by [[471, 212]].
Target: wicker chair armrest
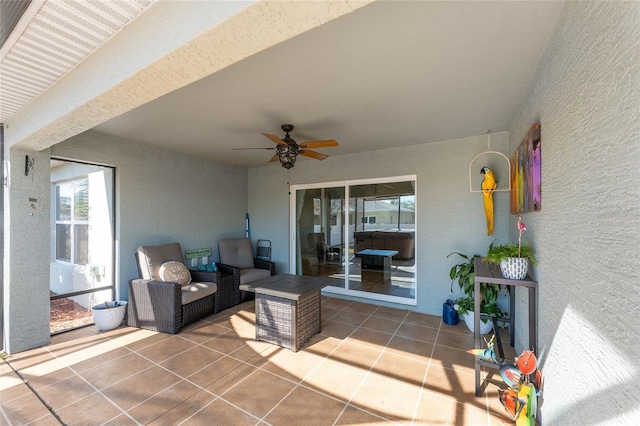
[[205, 276], [265, 264], [155, 305], [228, 269]]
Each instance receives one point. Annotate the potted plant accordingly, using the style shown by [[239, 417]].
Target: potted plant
[[109, 315], [513, 258], [464, 274]]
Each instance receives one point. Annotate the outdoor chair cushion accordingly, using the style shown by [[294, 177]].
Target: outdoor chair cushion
[[236, 252], [151, 258], [253, 274], [196, 291]]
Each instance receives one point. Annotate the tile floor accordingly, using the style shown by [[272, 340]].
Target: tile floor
[[369, 365]]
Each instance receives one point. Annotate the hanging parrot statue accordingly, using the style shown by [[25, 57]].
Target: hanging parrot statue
[[488, 186]]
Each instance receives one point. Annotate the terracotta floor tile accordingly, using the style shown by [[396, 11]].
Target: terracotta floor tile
[[226, 343], [390, 313], [303, 403], [215, 371], [387, 398], [452, 383], [382, 324], [418, 332], [359, 356], [433, 409], [336, 378], [362, 308], [24, 409], [367, 366], [203, 333], [93, 357], [166, 349], [46, 373], [349, 317], [136, 389], [462, 341], [247, 395], [185, 409], [291, 365], [65, 392], [231, 379], [335, 303], [223, 413], [116, 370], [410, 348], [425, 320], [163, 402], [12, 387], [192, 360], [401, 368], [453, 358], [337, 329], [143, 339], [364, 336], [95, 409], [356, 416]]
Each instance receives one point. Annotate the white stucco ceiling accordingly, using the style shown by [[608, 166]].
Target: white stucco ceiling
[[389, 74]]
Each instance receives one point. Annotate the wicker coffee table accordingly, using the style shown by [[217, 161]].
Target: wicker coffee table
[[287, 308]]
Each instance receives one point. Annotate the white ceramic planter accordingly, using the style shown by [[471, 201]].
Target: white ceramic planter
[[109, 318], [485, 327], [514, 268]]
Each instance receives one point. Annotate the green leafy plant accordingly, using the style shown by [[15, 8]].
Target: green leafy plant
[[500, 252], [464, 274]]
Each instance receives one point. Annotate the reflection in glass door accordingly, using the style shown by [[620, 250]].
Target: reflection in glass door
[[320, 247], [373, 252]]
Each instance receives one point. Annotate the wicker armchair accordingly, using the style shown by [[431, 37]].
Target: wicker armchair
[[168, 306], [236, 258]]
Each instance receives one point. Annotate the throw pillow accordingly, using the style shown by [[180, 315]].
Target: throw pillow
[[175, 272]]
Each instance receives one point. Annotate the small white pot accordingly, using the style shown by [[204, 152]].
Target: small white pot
[[514, 268], [109, 318], [485, 327]]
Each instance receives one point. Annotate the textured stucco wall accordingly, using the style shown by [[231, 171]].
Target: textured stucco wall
[[26, 255], [163, 196], [586, 95], [449, 217]]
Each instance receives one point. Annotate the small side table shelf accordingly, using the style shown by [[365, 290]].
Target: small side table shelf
[[490, 273]]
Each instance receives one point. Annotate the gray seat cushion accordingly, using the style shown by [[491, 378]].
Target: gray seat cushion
[[196, 291]]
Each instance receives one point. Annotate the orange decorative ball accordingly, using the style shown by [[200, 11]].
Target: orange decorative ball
[[527, 362]]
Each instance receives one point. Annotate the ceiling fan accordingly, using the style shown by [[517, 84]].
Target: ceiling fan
[[287, 149]]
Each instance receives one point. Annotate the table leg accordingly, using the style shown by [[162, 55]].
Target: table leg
[[476, 331]]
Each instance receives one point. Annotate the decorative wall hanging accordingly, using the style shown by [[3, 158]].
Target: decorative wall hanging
[[526, 174]]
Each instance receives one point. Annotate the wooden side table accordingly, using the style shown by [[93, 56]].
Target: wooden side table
[[490, 273]]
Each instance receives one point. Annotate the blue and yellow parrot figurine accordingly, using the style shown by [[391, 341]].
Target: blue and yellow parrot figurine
[[488, 186]]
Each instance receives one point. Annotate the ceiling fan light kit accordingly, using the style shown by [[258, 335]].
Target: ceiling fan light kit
[[287, 155], [287, 149]]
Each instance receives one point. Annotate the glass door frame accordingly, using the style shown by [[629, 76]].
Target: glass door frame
[[111, 285], [345, 231]]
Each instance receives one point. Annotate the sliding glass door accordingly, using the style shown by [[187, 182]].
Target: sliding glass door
[[361, 233]]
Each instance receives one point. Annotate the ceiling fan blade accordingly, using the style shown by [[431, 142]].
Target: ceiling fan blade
[[319, 144], [242, 149], [312, 154], [274, 159], [275, 139]]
